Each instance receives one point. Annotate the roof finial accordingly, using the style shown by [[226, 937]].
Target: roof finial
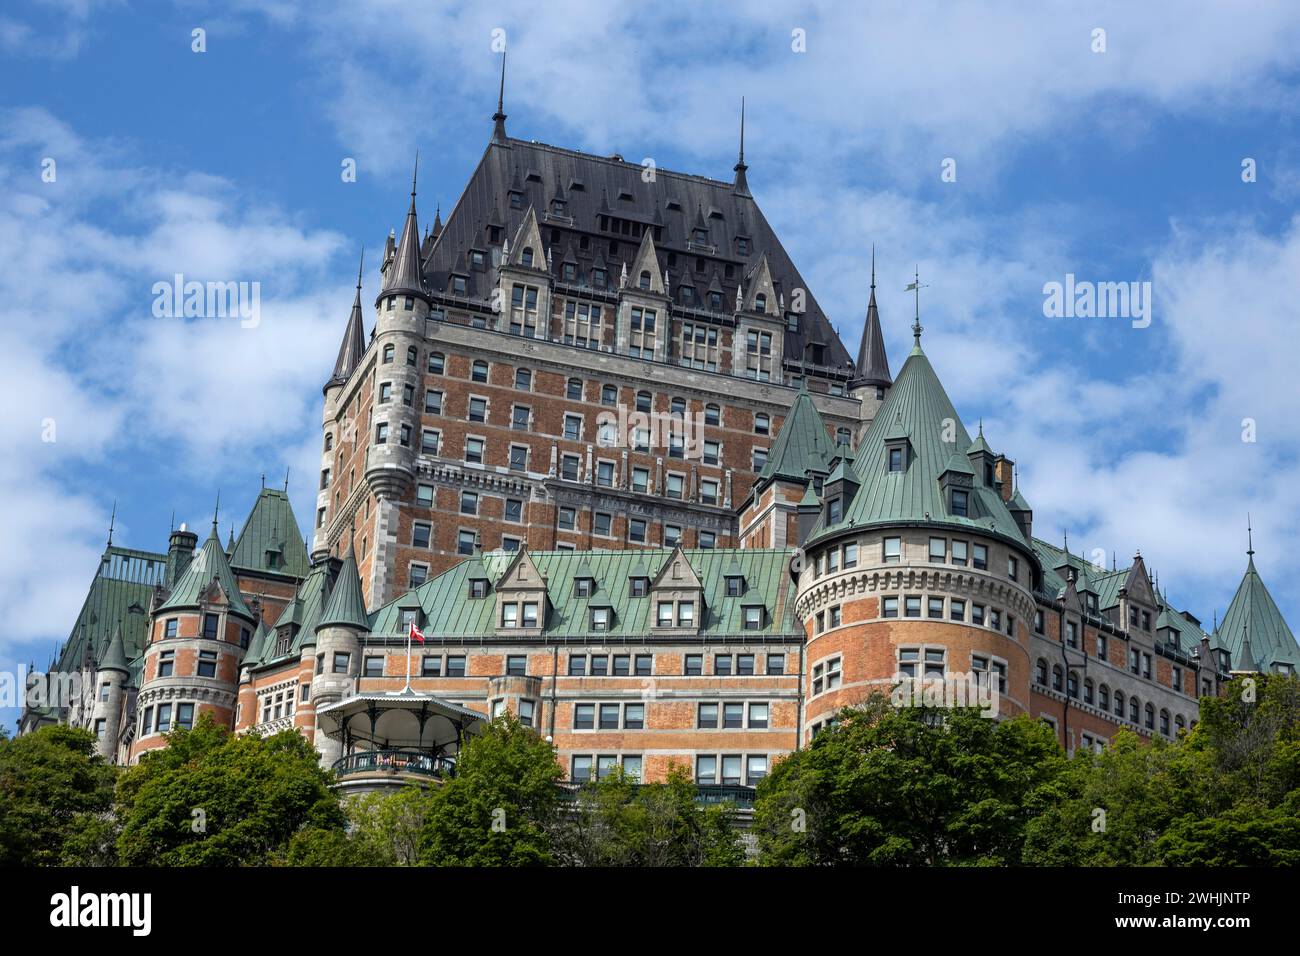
[[499, 117], [1250, 541], [286, 479], [361, 267], [216, 509], [264, 481], [172, 526], [916, 287], [873, 267], [742, 183], [414, 175], [112, 521], [1066, 535]]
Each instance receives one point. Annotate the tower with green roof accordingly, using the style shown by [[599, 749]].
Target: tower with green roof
[[1253, 630]]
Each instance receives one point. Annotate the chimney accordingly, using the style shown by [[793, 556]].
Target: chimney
[[180, 550]]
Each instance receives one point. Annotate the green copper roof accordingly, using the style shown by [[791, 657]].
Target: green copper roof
[[208, 565], [1254, 616], [270, 542], [257, 645], [119, 595], [1018, 502], [802, 445], [450, 612], [114, 656], [1188, 634], [919, 407], [302, 614], [347, 606], [1089, 577], [810, 497]]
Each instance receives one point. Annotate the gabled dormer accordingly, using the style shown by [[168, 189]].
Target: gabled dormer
[[734, 583], [982, 460], [1138, 599], [643, 309], [838, 491], [677, 597], [956, 484], [522, 603], [899, 451], [759, 347]]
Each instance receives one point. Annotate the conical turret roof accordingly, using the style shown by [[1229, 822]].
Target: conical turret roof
[[403, 276], [1253, 618], [209, 565], [346, 606], [114, 656], [873, 364]]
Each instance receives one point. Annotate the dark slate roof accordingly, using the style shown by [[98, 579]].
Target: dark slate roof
[[1253, 615], [403, 274], [595, 185], [918, 407], [450, 612], [802, 445], [208, 565], [271, 526], [873, 363], [353, 346], [126, 578]]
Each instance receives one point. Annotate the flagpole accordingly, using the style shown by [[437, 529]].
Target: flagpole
[[408, 657]]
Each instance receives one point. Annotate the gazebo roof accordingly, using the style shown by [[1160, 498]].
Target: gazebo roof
[[403, 720]]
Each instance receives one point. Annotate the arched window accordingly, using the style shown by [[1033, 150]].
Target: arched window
[[1180, 723], [1088, 691], [1134, 709], [760, 302], [609, 394], [479, 373], [645, 280], [388, 354], [679, 406], [1119, 704], [1072, 684], [1058, 677], [329, 441], [843, 436], [1164, 722], [1150, 714], [643, 401], [712, 415], [523, 379], [412, 356], [1103, 697], [1042, 672], [527, 255]]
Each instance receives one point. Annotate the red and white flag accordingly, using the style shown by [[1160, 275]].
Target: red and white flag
[[416, 634]]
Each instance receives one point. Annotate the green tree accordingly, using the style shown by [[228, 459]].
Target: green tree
[[892, 786], [213, 798], [54, 791], [616, 822], [387, 827], [502, 807]]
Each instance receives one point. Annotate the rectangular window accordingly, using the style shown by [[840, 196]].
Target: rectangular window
[[722, 665], [581, 771], [981, 561], [164, 718], [431, 666], [707, 717], [166, 663], [758, 716], [912, 605], [207, 665], [939, 550], [776, 663], [706, 770], [171, 627], [956, 609], [577, 665], [374, 667], [584, 715], [516, 665], [474, 451], [693, 665], [210, 626], [889, 607], [977, 614], [456, 666], [644, 665], [609, 716], [633, 716], [934, 607], [733, 716], [755, 769], [893, 549]]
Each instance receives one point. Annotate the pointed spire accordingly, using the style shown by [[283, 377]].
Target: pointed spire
[[353, 345], [403, 276], [499, 117], [437, 222], [346, 606], [741, 184], [873, 364], [216, 510], [112, 521], [1250, 540]]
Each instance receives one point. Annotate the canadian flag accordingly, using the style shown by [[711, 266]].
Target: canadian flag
[[416, 634]]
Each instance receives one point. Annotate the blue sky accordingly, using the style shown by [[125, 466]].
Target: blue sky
[[1122, 165]]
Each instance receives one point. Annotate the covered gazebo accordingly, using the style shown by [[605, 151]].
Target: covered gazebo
[[394, 739]]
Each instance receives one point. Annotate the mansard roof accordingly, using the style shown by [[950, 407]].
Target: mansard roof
[[918, 406], [802, 445], [209, 565], [1253, 615], [537, 170], [271, 528], [119, 596], [450, 612]]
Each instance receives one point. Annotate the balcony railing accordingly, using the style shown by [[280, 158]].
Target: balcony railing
[[705, 793], [394, 761]]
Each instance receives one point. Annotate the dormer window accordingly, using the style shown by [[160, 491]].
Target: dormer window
[[476, 258], [897, 458], [459, 285], [833, 511], [700, 235], [638, 587], [516, 200], [715, 301], [478, 588], [754, 617], [959, 502], [735, 585], [583, 587], [600, 618], [742, 246], [760, 302], [644, 281], [599, 278], [527, 256], [570, 272], [557, 207]]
